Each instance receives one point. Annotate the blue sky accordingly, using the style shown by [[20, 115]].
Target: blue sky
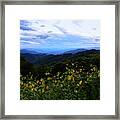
[[59, 34]]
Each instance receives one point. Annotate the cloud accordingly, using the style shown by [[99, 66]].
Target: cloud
[[25, 25], [42, 36], [88, 28], [29, 42], [26, 28], [61, 29], [59, 33]]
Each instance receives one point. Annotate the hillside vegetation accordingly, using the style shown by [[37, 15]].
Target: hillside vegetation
[[60, 77]]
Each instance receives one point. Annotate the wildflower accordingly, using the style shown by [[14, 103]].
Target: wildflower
[[33, 85], [72, 64], [49, 78], [37, 81], [80, 70], [21, 83], [41, 79], [80, 82], [26, 85], [42, 90], [35, 89], [93, 68], [85, 81], [69, 77], [66, 68], [73, 70], [47, 87], [30, 86], [40, 82], [55, 81], [47, 73], [58, 73], [75, 91], [90, 76], [29, 82]]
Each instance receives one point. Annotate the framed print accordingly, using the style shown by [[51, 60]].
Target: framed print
[[60, 60]]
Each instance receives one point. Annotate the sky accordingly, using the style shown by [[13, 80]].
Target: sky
[[59, 34]]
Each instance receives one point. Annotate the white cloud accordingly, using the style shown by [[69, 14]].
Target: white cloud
[[29, 42], [89, 28], [52, 33]]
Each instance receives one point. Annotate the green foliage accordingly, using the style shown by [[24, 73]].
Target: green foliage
[[77, 78]]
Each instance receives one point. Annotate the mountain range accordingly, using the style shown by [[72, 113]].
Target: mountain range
[[38, 58], [54, 51]]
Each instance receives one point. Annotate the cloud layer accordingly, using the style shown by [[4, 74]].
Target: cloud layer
[[59, 33]]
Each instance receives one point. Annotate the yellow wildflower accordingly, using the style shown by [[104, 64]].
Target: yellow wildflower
[[80, 82]]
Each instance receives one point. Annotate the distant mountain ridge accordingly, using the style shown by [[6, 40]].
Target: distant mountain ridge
[[42, 58], [24, 51], [55, 51], [75, 51]]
